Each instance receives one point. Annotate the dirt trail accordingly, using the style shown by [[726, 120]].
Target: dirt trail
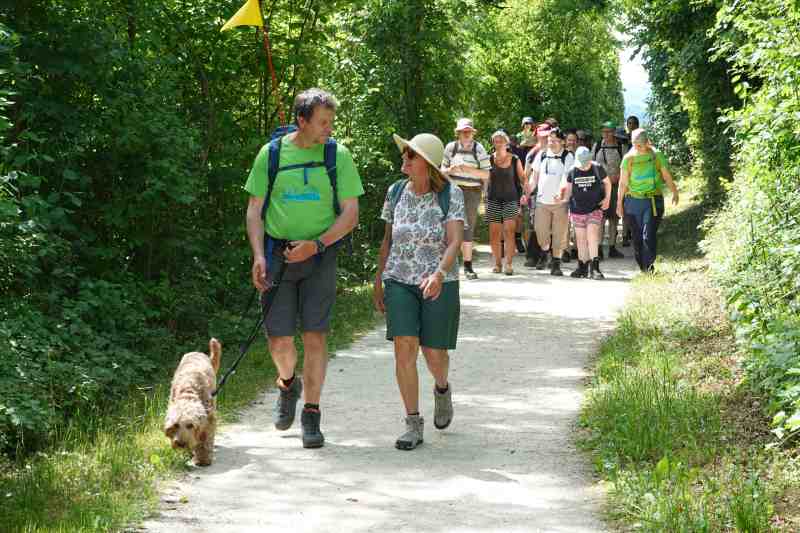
[[506, 464]]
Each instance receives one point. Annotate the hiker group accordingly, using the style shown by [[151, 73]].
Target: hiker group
[[304, 190]]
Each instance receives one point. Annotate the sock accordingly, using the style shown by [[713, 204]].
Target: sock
[[311, 406], [468, 266], [288, 382], [442, 391]]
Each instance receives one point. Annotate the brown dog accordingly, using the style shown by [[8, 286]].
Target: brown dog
[[191, 416]]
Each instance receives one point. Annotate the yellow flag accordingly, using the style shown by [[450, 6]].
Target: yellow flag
[[248, 15]]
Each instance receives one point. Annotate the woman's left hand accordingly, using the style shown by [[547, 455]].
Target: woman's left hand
[[432, 286]]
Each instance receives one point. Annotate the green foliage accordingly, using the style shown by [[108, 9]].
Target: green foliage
[[128, 130], [675, 38], [665, 414], [755, 240], [546, 58]]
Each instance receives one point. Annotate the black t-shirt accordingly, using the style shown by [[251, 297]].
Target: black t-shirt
[[587, 189]]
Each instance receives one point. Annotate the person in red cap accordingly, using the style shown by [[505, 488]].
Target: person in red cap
[[466, 163]]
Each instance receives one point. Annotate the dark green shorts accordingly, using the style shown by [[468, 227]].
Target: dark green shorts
[[435, 322]]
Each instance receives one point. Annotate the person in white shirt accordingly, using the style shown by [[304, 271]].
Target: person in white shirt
[[552, 218]]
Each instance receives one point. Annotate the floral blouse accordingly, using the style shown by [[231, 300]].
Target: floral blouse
[[419, 238]]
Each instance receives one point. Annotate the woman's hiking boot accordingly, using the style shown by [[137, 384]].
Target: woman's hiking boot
[[555, 267], [542, 263], [582, 270], [312, 436], [594, 269], [442, 407], [413, 435], [286, 405]]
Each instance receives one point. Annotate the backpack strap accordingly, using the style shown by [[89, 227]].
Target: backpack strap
[[395, 192], [329, 160], [273, 164], [443, 197]]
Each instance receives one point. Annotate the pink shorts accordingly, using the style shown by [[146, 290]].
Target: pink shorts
[[581, 221]]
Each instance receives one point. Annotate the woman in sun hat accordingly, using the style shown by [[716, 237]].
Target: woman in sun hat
[[417, 281], [466, 162]]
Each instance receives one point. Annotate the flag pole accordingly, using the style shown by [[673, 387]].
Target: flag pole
[[275, 92]]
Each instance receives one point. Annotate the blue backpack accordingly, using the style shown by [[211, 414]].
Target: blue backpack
[[273, 167], [443, 196]]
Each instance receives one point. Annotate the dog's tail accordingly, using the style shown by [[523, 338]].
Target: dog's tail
[[215, 352]]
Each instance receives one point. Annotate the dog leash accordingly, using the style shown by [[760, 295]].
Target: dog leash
[[245, 346]]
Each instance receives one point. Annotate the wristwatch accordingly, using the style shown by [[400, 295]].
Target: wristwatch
[[320, 246]]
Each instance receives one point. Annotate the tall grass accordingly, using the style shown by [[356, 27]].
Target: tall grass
[[663, 414]]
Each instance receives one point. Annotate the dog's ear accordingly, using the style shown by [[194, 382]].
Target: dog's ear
[[170, 430], [171, 423]]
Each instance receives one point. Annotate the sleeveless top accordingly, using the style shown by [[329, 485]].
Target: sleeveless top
[[502, 186]]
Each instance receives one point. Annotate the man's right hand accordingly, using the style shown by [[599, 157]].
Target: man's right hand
[[259, 274]]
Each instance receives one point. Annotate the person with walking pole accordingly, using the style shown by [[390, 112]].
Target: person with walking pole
[[416, 285], [304, 190]]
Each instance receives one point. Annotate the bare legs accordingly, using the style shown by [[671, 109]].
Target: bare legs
[[406, 350]]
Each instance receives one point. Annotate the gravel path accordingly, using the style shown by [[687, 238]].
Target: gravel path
[[506, 464]]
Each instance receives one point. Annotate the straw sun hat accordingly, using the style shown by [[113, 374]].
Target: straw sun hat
[[426, 145]]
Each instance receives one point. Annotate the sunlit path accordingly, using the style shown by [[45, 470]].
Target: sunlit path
[[506, 464]]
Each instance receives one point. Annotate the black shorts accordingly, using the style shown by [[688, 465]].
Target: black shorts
[[306, 293]]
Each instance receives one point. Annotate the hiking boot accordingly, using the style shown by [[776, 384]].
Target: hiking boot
[[470, 274], [520, 244], [442, 408], [565, 257], [542, 263], [555, 267], [413, 435], [530, 262], [614, 253], [312, 436], [580, 272], [286, 406], [594, 269]]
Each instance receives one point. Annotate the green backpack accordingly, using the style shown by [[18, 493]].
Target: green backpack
[[644, 184]]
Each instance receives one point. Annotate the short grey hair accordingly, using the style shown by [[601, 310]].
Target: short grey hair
[[307, 101]]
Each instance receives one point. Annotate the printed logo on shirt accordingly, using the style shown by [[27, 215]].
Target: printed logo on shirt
[[303, 195], [584, 182]]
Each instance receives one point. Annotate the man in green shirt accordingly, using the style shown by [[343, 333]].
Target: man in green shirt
[[301, 220], [640, 198]]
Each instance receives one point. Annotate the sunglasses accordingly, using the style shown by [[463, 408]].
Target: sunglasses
[[409, 154]]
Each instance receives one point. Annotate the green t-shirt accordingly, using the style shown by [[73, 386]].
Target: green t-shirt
[[645, 172], [301, 206]]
